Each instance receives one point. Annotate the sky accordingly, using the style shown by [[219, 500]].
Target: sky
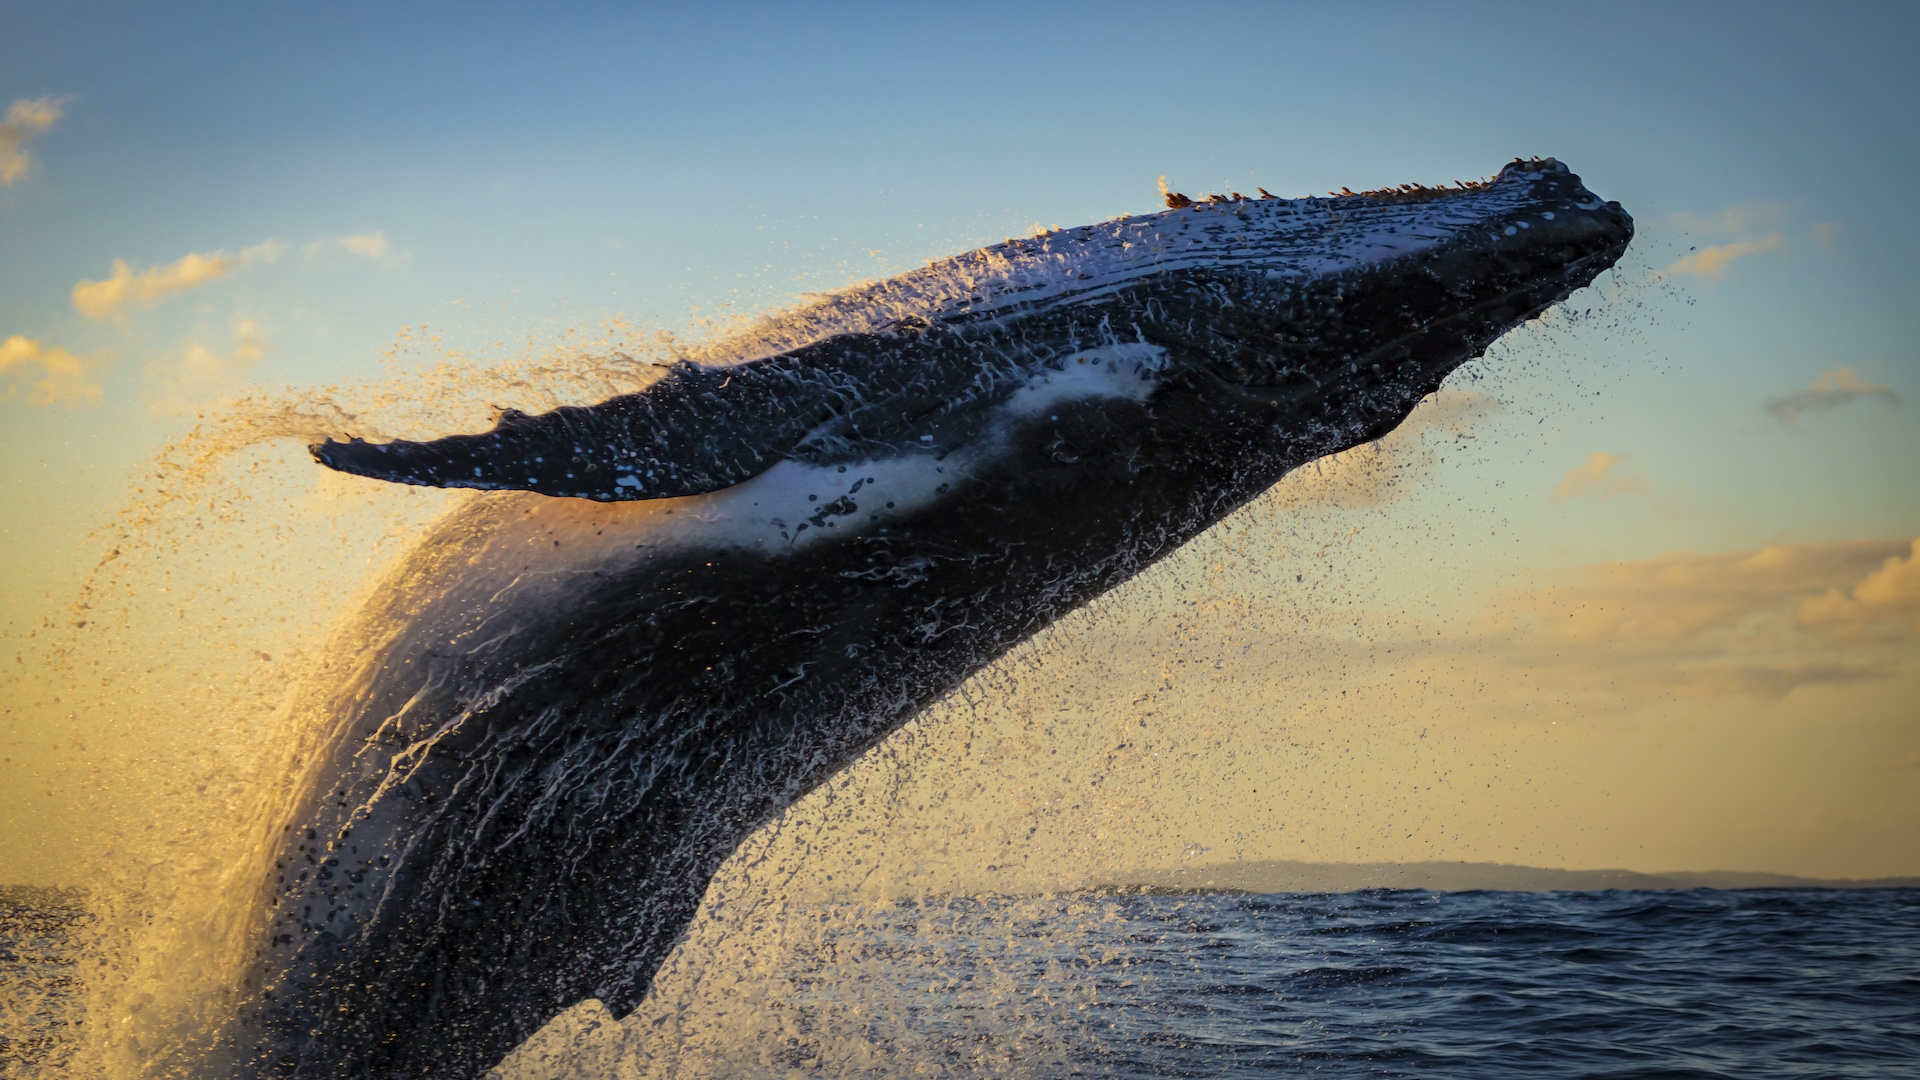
[[1640, 589]]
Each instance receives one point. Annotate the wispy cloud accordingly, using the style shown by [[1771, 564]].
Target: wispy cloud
[[1830, 391], [1888, 597], [123, 289], [1778, 678], [50, 376], [1741, 222], [371, 245], [1681, 596], [1715, 624], [199, 373], [1621, 635], [1712, 262], [1605, 475], [26, 118], [1600, 475], [1733, 219]]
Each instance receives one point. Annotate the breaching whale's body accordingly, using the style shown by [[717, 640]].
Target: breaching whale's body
[[571, 710]]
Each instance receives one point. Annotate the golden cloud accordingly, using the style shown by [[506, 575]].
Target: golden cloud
[[52, 376], [1888, 597], [1604, 639], [1745, 622], [200, 373], [1682, 596], [26, 118], [122, 289], [1389, 468], [1597, 475], [1711, 262], [1830, 391]]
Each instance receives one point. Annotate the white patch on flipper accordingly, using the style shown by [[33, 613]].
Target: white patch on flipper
[[781, 509], [788, 506]]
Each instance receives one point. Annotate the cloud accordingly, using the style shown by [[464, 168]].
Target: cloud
[[52, 376], [1777, 680], [1711, 262], [1734, 219], [26, 118], [1680, 596], [1888, 597], [372, 245], [200, 373], [1597, 475], [1602, 476], [123, 289], [1391, 467], [1830, 391], [1716, 624], [1741, 221]]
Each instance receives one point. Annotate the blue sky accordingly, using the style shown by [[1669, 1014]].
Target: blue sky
[[505, 173]]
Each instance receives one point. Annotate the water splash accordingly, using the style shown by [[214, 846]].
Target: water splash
[[178, 681]]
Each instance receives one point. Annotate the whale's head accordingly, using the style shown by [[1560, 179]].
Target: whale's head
[[1395, 287]]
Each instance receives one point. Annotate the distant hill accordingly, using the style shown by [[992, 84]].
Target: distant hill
[[1275, 876], [1279, 877], [47, 897]]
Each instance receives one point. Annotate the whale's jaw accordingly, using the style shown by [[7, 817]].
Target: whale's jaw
[[578, 707]]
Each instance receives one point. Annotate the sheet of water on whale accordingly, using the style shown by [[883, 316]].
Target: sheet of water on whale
[[1488, 986]]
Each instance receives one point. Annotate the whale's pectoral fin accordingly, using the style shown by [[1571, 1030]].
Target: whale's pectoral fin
[[697, 430]]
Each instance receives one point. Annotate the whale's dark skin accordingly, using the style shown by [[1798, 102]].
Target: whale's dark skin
[[523, 800]]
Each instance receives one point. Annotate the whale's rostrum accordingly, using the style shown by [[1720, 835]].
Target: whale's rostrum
[[724, 587]]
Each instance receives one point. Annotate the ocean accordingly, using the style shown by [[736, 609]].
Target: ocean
[[1489, 985], [1483, 985]]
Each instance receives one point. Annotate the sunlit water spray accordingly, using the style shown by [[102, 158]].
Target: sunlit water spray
[[183, 678], [229, 594]]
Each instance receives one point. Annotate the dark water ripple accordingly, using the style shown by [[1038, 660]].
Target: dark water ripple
[[1615, 985], [39, 984], [1752, 985]]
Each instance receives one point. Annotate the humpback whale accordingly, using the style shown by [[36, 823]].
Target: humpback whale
[[690, 605]]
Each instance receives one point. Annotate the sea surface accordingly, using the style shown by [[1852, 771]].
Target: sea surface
[[1486, 985], [1481, 985], [41, 997]]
